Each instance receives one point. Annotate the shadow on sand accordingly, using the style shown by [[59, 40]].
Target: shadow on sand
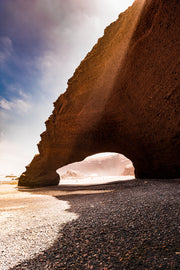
[[122, 225]]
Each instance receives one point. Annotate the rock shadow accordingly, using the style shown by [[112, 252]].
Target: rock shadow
[[124, 225]]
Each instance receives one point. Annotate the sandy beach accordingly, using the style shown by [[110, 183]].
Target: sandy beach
[[118, 225]]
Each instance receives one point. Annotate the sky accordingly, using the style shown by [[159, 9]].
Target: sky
[[41, 44]]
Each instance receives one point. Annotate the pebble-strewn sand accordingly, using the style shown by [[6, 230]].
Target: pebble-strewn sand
[[29, 223], [122, 225]]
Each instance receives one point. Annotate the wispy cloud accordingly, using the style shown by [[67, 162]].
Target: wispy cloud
[[6, 49], [13, 112], [16, 105], [5, 105]]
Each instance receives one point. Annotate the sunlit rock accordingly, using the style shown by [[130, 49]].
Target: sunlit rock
[[122, 98]]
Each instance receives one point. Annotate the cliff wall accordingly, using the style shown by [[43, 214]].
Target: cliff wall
[[124, 97]]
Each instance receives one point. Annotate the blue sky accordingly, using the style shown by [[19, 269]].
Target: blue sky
[[41, 44]]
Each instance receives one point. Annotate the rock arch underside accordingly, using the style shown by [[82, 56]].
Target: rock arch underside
[[123, 97]]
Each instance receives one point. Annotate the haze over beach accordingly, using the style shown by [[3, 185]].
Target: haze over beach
[[41, 44]]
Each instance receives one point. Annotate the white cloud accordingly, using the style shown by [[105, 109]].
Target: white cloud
[[5, 104], [13, 115], [22, 106], [23, 94], [16, 105]]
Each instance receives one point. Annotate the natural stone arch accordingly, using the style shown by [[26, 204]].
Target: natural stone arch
[[122, 98]]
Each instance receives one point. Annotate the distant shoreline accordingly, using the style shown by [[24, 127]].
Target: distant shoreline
[[9, 179]]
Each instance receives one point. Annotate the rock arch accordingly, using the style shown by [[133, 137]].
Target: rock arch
[[122, 98]]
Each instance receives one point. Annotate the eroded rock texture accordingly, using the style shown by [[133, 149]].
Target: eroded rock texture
[[124, 97]]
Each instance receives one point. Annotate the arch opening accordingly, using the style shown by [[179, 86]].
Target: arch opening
[[96, 169]]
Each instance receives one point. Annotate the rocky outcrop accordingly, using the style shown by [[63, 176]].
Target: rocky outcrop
[[124, 97]]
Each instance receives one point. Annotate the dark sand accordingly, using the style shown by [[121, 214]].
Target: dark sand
[[121, 225]]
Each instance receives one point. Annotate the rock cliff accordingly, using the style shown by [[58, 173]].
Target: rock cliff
[[124, 98]]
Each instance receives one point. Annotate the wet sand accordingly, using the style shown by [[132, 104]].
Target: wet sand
[[119, 225]]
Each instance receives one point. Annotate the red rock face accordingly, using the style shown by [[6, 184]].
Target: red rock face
[[124, 98]]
